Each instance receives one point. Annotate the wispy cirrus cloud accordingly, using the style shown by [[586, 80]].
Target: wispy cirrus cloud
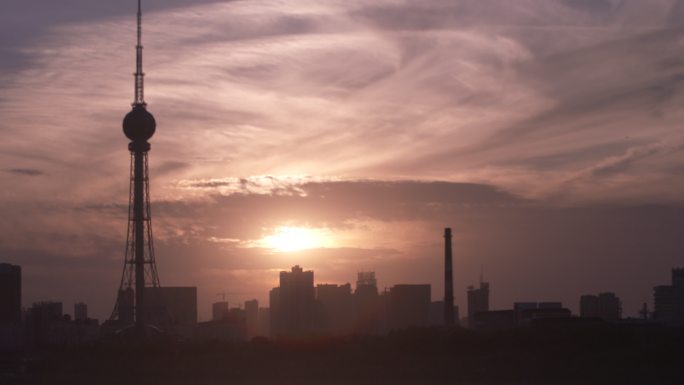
[[436, 90]]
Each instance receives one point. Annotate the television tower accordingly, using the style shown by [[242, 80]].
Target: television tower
[[448, 280], [139, 269]]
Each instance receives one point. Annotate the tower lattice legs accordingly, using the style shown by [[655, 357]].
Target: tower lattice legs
[[140, 270]]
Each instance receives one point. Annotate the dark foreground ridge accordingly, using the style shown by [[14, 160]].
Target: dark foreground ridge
[[634, 354]]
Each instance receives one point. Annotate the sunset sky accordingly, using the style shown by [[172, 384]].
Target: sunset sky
[[546, 133]]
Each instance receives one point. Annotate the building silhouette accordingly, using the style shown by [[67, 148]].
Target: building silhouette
[[42, 320], [293, 306], [264, 322], [219, 310], [437, 314], [337, 304], [528, 312], [522, 306], [478, 300], [80, 311], [669, 300], [494, 320], [229, 325], [408, 305], [274, 311], [252, 317], [606, 306], [46, 311], [367, 304], [10, 294], [173, 309], [140, 271]]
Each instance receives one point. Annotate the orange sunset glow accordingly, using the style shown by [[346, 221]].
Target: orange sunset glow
[[289, 238]]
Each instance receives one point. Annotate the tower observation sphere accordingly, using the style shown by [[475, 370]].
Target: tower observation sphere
[[139, 124]]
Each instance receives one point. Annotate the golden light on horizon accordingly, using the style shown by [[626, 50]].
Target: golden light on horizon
[[292, 238]]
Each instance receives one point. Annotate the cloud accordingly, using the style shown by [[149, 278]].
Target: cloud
[[171, 167], [621, 164], [459, 91], [25, 171]]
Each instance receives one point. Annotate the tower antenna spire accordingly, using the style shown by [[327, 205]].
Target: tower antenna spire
[[139, 74]]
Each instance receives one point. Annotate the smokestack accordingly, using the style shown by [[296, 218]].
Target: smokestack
[[448, 280]]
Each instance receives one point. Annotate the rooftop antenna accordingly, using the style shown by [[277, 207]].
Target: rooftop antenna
[[139, 99]]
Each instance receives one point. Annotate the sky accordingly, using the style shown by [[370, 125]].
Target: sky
[[546, 133]]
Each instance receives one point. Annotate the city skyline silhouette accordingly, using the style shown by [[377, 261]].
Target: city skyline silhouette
[[565, 184]]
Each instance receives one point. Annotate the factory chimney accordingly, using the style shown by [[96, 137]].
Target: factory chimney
[[448, 280]]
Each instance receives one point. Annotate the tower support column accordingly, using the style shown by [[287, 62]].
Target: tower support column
[[139, 239]]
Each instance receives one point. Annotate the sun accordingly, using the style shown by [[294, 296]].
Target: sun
[[289, 238]]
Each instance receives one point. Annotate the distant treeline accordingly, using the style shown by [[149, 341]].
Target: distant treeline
[[607, 354]]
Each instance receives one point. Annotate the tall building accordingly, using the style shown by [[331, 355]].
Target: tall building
[[10, 294], [408, 305], [252, 317], [589, 306], [219, 310], [41, 320], [610, 307], [80, 311], [140, 271], [669, 300], [264, 322], [337, 307], [274, 312], [606, 306], [478, 300], [295, 306], [665, 303], [366, 304]]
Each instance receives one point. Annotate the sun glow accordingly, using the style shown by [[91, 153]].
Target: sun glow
[[288, 239]]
